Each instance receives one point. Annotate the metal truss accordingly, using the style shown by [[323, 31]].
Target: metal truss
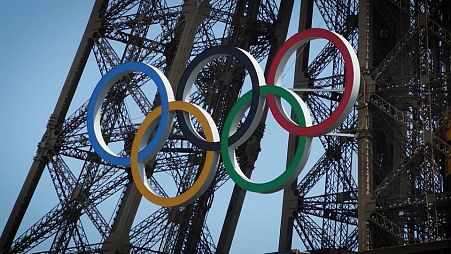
[[395, 192], [407, 102], [403, 108], [166, 34]]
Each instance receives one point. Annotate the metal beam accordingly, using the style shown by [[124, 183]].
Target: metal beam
[[365, 157]]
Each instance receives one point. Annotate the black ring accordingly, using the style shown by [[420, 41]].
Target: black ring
[[190, 75]]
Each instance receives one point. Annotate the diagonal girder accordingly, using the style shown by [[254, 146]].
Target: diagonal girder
[[401, 117], [314, 175], [67, 188], [392, 228], [403, 44], [396, 172], [311, 233]]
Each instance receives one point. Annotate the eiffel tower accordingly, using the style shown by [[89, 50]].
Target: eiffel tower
[[383, 177]]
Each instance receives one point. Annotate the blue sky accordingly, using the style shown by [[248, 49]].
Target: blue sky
[[38, 42]]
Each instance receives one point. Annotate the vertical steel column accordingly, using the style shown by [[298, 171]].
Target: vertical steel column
[[238, 194], [301, 80], [365, 157], [56, 119]]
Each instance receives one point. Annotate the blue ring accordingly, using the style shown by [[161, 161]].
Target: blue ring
[[100, 91]]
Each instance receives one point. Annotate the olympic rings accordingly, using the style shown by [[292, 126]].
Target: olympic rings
[[302, 149], [350, 93], [234, 134], [207, 172]]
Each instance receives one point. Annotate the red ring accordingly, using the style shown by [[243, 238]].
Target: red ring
[[323, 127]]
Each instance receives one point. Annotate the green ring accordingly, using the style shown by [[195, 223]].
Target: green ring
[[279, 182]]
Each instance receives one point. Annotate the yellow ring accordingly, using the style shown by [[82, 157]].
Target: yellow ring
[[207, 172]]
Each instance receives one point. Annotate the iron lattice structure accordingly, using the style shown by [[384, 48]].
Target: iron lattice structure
[[401, 149], [404, 176], [165, 34], [383, 178]]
